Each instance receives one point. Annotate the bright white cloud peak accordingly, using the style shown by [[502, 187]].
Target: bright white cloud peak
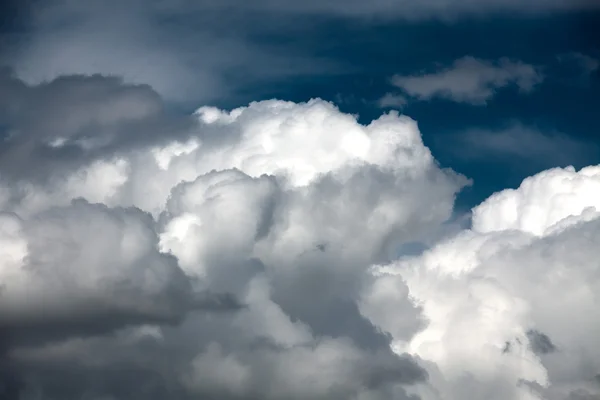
[[509, 303], [253, 253]]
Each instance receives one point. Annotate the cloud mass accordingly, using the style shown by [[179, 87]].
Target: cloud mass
[[181, 220], [202, 248], [253, 253]]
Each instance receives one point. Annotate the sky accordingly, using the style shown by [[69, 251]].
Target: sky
[[333, 199]]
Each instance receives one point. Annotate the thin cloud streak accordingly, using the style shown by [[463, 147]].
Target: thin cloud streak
[[470, 80]]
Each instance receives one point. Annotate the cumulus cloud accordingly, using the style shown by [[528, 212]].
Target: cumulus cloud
[[85, 282], [115, 261], [470, 80], [508, 302], [258, 253]]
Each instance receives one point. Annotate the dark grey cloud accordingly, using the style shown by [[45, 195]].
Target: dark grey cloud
[[72, 120], [582, 395], [92, 284], [124, 366], [540, 343]]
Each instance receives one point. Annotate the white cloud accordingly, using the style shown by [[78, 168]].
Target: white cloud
[[259, 206], [541, 202], [470, 80], [273, 214], [525, 272]]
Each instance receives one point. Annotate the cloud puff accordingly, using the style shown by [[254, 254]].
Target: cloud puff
[[508, 302], [541, 202], [470, 80]]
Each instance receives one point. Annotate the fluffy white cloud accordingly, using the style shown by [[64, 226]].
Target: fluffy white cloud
[[274, 214], [543, 203], [272, 211], [470, 80], [509, 304]]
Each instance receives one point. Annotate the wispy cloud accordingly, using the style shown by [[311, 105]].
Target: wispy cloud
[[470, 80], [392, 100], [586, 63], [520, 142], [380, 8], [203, 50]]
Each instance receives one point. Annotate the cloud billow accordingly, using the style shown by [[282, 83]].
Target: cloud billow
[[253, 254]]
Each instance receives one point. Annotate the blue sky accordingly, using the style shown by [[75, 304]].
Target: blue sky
[[566, 102]]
